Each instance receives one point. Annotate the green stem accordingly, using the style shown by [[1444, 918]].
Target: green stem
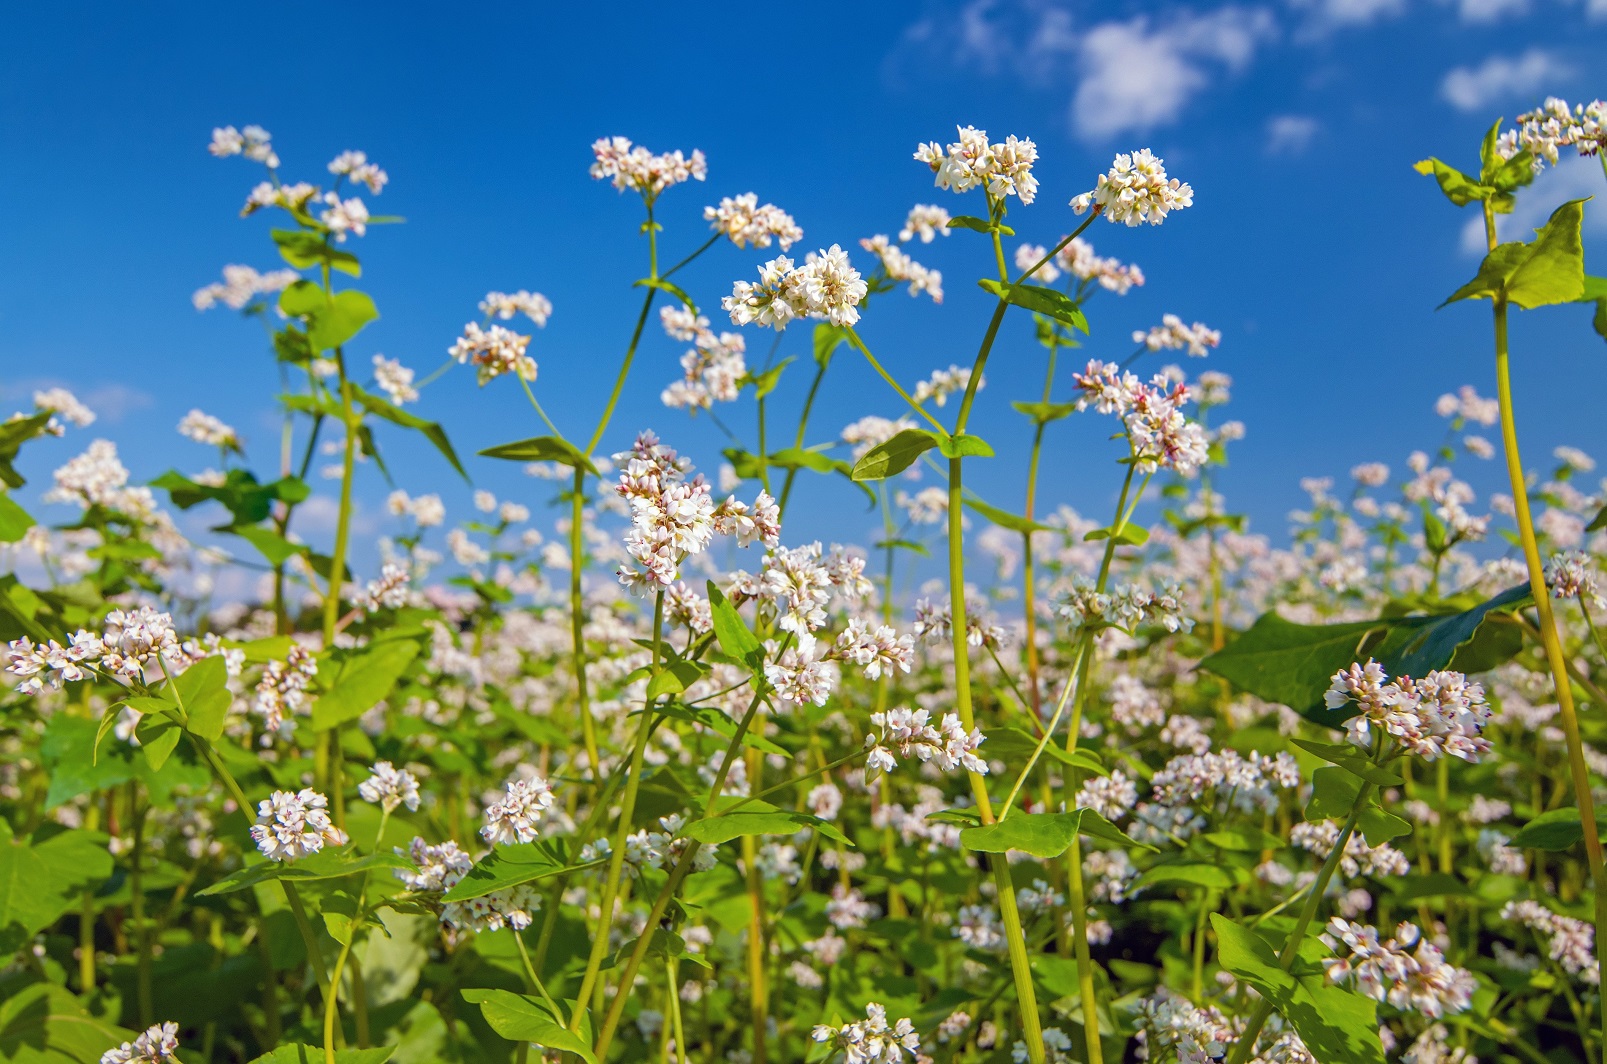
[[859, 345], [308, 938], [1291, 947], [798, 441], [136, 887], [577, 619]]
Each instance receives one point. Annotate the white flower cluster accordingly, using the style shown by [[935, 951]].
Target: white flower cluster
[[355, 166], [394, 379], [389, 592], [97, 477], [825, 287], [493, 352], [1078, 259], [900, 268], [944, 383], [63, 402], [292, 824], [439, 868], [504, 305], [253, 142], [281, 691], [1572, 942], [1173, 335], [633, 167], [204, 428], [1416, 979], [1171, 1025], [1056, 1045], [872, 431], [1136, 189], [672, 517], [925, 220], [934, 622], [1555, 125], [876, 650], [157, 1044], [1248, 784], [130, 641], [909, 733], [871, 1040], [712, 371], [1468, 405], [389, 787], [1569, 575], [1004, 169], [747, 222], [426, 510], [1443, 713], [267, 194], [1126, 607], [518, 816], [1161, 436], [344, 216], [1359, 858], [242, 284]]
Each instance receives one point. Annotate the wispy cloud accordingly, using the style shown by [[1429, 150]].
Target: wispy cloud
[[1290, 134], [1502, 78], [1486, 11], [1322, 17]]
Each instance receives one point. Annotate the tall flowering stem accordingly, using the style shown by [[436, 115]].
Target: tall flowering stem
[[1555, 657]]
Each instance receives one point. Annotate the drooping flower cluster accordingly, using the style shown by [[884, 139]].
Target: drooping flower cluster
[[944, 383], [281, 692], [672, 517], [354, 166], [1441, 714], [1569, 575], [518, 815], [292, 824], [1554, 125], [631, 166], [871, 1040], [157, 1044], [909, 733], [390, 787], [825, 287], [1127, 607], [747, 222], [242, 284], [900, 268], [394, 379], [1160, 435], [1136, 189], [493, 352], [1004, 168], [1571, 943], [925, 220], [130, 641], [504, 305], [204, 428], [1173, 335], [1416, 979]]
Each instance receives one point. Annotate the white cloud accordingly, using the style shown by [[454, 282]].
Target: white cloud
[[1136, 76], [1484, 11], [1290, 134], [1596, 9], [1501, 78], [1325, 16], [1573, 177]]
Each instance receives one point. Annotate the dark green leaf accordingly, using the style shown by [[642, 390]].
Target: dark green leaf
[[525, 1019], [1042, 834], [757, 818], [510, 865], [301, 1053], [1040, 300], [542, 449], [363, 679]]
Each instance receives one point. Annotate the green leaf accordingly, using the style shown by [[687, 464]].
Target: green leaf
[[895, 455], [303, 249], [1293, 664], [270, 544], [1040, 300], [301, 1053], [43, 876], [675, 678], [158, 738], [364, 678], [669, 289], [766, 382], [1004, 519], [1334, 793], [1136, 535], [14, 520], [1596, 292], [1549, 269], [828, 338], [1353, 759], [525, 1019], [332, 320], [1339, 1027], [964, 446], [1014, 746], [736, 639], [1193, 874], [323, 865], [1557, 829], [13, 434], [1042, 834], [1458, 187], [431, 430], [979, 225], [68, 753], [1043, 413], [509, 866], [542, 449], [757, 818], [799, 458], [41, 1023], [1378, 827], [203, 691], [713, 719]]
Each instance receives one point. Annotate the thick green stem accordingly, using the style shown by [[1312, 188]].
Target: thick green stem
[[308, 938], [577, 619]]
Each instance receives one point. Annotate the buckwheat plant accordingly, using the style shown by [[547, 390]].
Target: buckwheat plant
[[661, 780]]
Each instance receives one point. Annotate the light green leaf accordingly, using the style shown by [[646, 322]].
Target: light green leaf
[[736, 639], [301, 1053], [1549, 269], [525, 1019], [964, 446], [1458, 187], [1005, 519], [41, 1023], [892, 457], [303, 249], [14, 520], [362, 680], [1040, 300], [757, 818], [431, 430], [1352, 758], [1042, 834], [667, 288], [542, 449], [202, 689]]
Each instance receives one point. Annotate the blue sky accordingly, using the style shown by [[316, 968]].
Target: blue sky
[[1312, 245]]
